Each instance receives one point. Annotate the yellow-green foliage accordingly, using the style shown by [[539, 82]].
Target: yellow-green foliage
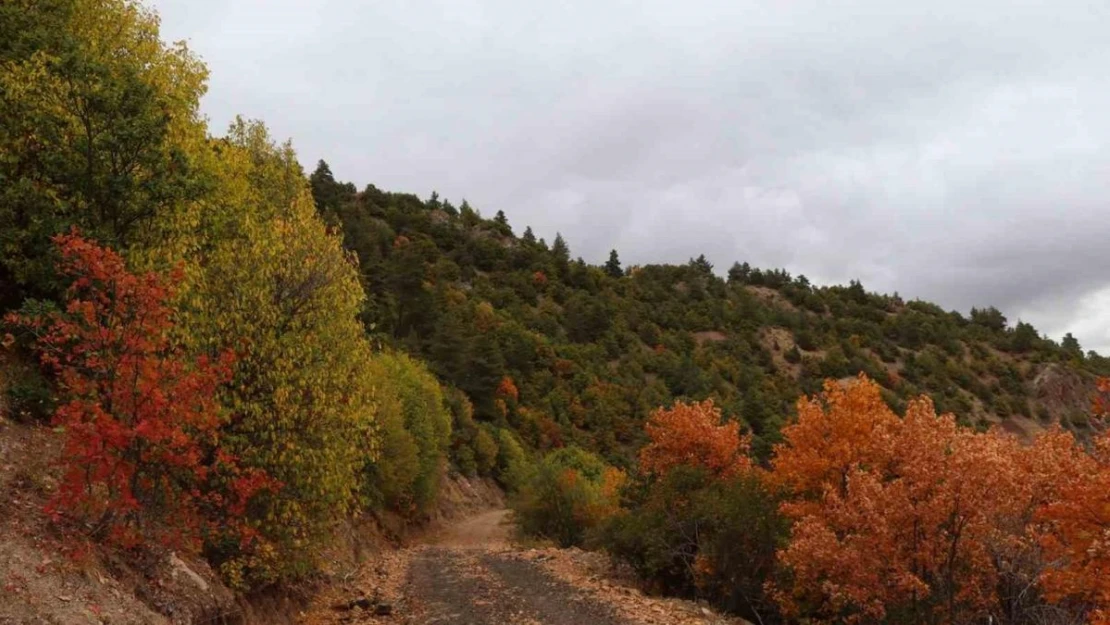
[[388, 476], [426, 421], [512, 463], [485, 451], [269, 281], [568, 494], [99, 129]]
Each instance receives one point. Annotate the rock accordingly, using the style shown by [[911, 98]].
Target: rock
[[361, 602], [358, 602], [383, 609], [706, 612], [178, 567]]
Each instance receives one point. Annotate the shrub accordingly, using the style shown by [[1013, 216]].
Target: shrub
[[569, 494], [389, 475], [792, 355], [512, 463], [426, 421], [28, 394], [485, 452], [140, 416], [692, 534]]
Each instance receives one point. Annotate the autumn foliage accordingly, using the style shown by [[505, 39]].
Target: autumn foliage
[[867, 516], [693, 434], [569, 494], [1078, 521], [919, 520], [139, 416]]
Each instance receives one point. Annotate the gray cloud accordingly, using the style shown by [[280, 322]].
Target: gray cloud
[[955, 151]]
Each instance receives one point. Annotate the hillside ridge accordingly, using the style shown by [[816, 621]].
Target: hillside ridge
[[592, 349]]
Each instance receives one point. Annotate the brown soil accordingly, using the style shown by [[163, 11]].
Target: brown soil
[[48, 578], [771, 296]]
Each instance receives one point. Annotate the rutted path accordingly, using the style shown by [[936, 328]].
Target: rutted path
[[470, 574]]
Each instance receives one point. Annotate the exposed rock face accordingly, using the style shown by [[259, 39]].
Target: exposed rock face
[[1063, 391]]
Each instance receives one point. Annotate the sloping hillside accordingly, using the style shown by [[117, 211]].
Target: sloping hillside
[[591, 350]]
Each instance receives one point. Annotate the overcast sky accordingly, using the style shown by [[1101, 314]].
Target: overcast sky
[[953, 150]]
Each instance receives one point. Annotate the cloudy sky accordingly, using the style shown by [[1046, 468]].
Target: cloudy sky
[[953, 150]]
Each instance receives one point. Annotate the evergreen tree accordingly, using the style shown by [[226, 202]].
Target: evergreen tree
[[739, 273], [702, 264], [1071, 346], [470, 217], [613, 265], [502, 224], [561, 252], [1024, 336], [989, 317]]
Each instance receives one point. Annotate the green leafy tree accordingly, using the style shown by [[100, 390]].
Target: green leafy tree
[[426, 418], [91, 137], [1071, 346], [1024, 337], [270, 282]]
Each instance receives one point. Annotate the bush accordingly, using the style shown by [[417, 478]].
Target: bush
[[512, 467], [569, 494], [426, 421], [27, 393], [485, 452], [691, 534], [389, 474], [139, 415]]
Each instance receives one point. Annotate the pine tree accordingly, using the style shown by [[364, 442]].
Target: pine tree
[[1071, 346], [702, 264], [613, 265], [561, 251]]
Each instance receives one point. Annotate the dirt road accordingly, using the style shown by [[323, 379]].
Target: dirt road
[[471, 574], [488, 530]]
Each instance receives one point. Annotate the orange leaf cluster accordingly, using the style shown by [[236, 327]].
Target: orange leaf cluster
[[1078, 532], [507, 389], [914, 516], [693, 435]]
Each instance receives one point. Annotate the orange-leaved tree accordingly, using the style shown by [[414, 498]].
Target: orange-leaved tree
[[1078, 536], [692, 434], [913, 519], [139, 416], [836, 431]]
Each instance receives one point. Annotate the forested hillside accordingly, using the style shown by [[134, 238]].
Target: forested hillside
[[591, 350]]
